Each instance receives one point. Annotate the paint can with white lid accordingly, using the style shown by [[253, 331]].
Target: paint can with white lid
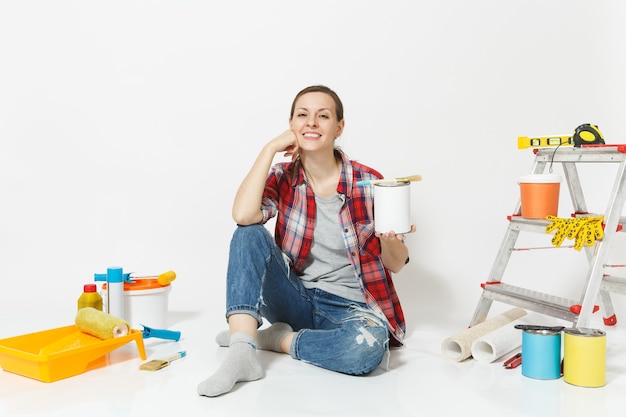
[[392, 207]]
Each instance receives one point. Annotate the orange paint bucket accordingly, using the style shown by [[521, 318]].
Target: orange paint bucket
[[539, 195]]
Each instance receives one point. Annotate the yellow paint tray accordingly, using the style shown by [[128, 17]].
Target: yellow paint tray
[[60, 353]]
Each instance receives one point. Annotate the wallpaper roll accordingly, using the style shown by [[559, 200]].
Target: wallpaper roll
[[100, 324], [492, 346], [458, 347]]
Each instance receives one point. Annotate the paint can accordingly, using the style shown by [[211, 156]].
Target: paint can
[[584, 357], [392, 207], [146, 302], [541, 354], [539, 195]]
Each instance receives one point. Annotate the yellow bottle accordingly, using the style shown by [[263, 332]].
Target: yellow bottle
[[90, 297]]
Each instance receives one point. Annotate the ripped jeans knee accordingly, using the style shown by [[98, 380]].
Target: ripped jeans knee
[[357, 347]]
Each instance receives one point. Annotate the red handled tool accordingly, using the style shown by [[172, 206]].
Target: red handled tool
[[513, 361]]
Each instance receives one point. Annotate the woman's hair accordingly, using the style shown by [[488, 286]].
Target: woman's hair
[[320, 89]]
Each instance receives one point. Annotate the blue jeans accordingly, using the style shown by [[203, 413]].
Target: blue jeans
[[332, 332]]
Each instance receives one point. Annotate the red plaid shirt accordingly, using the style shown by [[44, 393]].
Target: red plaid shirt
[[287, 196]]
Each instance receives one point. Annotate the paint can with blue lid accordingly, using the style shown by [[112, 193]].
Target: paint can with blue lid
[[541, 352]]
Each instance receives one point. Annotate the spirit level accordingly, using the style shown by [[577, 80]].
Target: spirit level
[[524, 142]]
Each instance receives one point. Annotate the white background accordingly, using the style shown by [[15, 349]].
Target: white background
[[127, 126]]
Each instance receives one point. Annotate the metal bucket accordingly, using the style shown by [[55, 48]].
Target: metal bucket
[[584, 357], [541, 354], [392, 207]]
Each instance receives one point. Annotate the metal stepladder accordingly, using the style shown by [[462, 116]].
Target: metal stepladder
[[598, 284]]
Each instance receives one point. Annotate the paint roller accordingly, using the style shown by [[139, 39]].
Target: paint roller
[[163, 279], [166, 277], [100, 324]]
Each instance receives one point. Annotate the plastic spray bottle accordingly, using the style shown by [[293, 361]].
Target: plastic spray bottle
[[115, 291]]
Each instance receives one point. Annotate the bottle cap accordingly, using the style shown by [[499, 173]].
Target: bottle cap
[[115, 274], [90, 288]]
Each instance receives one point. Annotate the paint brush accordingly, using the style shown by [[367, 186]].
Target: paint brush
[[410, 178], [156, 364]]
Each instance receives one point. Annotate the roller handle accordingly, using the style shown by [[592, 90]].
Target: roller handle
[[160, 333], [163, 279], [166, 277]]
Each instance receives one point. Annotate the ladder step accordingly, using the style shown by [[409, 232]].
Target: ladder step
[[528, 225], [606, 153], [613, 283], [531, 300], [539, 225]]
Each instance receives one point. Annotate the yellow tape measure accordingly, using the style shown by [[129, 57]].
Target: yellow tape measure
[[524, 142], [585, 134]]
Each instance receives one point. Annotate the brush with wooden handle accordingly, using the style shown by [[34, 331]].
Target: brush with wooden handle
[[156, 364], [410, 178]]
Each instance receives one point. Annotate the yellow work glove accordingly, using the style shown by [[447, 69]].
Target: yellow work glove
[[584, 230], [560, 225], [591, 231]]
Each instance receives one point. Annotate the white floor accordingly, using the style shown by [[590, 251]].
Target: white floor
[[420, 381]]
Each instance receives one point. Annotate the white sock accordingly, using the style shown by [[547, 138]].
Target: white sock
[[267, 339], [240, 365], [223, 338], [270, 338]]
